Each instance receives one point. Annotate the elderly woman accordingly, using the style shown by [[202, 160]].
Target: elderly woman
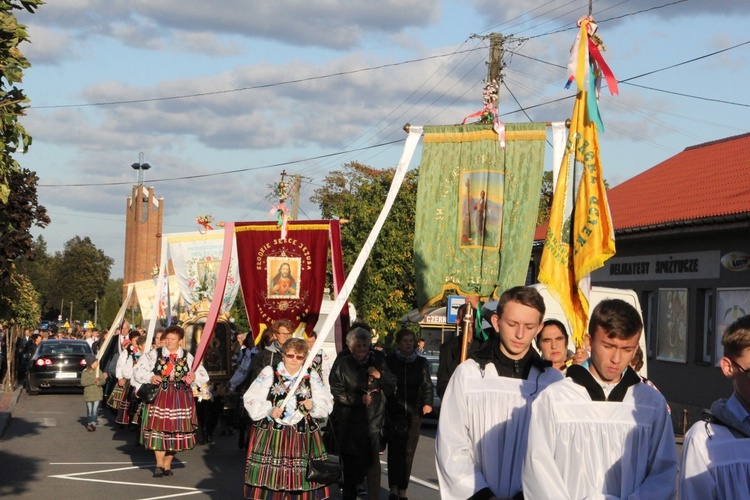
[[412, 400], [285, 436], [360, 383], [168, 424]]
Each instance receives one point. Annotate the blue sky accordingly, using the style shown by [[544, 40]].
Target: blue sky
[[87, 54]]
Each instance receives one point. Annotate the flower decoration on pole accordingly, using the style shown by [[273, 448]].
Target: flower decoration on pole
[[204, 221], [489, 113], [279, 193]]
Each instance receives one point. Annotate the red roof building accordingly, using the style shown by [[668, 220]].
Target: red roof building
[[707, 181]]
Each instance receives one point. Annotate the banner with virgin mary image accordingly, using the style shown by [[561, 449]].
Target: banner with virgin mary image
[[477, 203], [282, 278]]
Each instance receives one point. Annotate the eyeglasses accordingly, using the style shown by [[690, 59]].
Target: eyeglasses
[[299, 357], [744, 371]]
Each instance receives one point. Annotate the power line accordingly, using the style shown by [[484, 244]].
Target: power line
[[254, 87], [226, 172]]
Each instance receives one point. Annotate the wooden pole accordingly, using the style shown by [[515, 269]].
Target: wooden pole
[[296, 183], [468, 330]]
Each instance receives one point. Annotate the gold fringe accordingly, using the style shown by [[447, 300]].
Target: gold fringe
[[485, 135]]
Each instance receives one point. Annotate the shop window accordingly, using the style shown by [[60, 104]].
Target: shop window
[[671, 325], [731, 303], [707, 336], [648, 306]]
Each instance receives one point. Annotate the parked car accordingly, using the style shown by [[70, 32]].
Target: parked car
[[57, 363], [434, 360]]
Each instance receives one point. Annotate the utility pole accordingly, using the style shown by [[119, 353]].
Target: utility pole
[[96, 311], [495, 66], [296, 184], [71, 312]]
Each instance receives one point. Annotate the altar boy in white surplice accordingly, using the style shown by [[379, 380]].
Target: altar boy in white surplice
[[601, 432], [481, 439], [716, 452]]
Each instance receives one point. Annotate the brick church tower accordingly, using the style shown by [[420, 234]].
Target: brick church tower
[[143, 228]]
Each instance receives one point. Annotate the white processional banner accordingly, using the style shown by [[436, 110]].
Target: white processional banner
[[196, 259], [146, 292]]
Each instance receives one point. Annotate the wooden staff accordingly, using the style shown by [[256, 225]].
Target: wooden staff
[[467, 330]]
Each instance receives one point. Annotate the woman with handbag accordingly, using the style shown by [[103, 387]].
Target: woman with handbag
[[404, 410], [283, 440], [168, 423]]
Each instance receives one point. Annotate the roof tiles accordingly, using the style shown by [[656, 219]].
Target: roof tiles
[[706, 180]]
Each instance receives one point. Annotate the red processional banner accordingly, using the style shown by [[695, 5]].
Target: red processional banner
[[282, 278]]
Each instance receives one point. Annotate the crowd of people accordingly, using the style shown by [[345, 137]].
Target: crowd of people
[[516, 422]]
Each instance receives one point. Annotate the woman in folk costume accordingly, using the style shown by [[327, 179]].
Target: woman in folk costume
[[119, 399], [284, 439], [135, 404], [168, 424]]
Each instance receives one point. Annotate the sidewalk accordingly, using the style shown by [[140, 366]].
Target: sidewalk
[[7, 403]]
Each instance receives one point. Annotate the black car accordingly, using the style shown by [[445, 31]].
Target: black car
[[57, 363], [434, 362]]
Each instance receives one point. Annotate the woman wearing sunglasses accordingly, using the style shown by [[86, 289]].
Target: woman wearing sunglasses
[[284, 434]]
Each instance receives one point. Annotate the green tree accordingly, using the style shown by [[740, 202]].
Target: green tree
[[110, 303], [385, 290], [239, 314], [545, 198], [19, 209], [40, 270], [19, 306], [81, 275]]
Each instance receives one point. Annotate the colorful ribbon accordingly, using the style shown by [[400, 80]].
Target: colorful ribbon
[[282, 217], [587, 66]]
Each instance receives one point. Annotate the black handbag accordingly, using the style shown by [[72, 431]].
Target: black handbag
[[147, 392], [321, 471], [397, 427]]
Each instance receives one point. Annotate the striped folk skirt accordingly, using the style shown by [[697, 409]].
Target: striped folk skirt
[[277, 461], [169, 423], [126, 405], [117, 395]]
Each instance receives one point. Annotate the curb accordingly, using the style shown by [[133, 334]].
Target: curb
[[8, 401]]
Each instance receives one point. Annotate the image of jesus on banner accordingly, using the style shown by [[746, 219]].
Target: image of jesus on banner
[[283, 277]]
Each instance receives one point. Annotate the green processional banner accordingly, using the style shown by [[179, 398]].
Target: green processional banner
[[476, 208]]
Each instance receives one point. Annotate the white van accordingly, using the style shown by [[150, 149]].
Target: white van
[[597, 294]]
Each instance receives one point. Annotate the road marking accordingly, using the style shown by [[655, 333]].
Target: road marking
[[49, 422], [75, 476], [107, 463], [417, 480]]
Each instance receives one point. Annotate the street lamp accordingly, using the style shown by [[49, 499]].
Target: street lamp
[[140, 167], [96, 311]]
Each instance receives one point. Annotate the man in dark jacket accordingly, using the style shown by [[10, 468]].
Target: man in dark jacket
[[360, 384], [271, 355]]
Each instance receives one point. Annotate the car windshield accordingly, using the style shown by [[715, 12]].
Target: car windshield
[[64, 349]]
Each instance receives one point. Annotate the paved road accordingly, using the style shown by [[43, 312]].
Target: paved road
[[46, 452]]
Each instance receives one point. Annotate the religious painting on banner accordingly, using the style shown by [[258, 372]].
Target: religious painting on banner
[[476, 209], [196, 260], [282, 278]]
